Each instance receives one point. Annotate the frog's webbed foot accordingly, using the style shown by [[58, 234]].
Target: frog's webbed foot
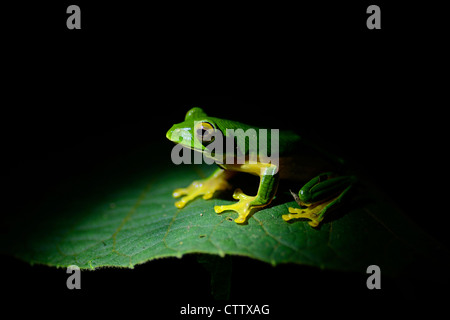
[[204, 188], [308, 213], [318, 196], [315, 212], [243, 207]]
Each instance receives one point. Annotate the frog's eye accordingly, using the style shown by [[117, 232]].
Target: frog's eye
[[204, 132]]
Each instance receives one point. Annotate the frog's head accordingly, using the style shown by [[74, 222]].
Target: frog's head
[[195, 132]]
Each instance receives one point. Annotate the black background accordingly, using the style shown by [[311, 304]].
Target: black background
[[70, 96]]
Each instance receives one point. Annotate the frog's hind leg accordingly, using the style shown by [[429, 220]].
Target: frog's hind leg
[[316, 211]]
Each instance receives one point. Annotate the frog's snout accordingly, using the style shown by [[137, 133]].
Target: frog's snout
[[173, 133], [169, 134]]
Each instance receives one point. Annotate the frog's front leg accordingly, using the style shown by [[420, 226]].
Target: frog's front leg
[[266, 191], [205, 187], [318, 196]]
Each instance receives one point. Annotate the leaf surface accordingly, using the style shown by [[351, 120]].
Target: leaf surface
[[125, 217]]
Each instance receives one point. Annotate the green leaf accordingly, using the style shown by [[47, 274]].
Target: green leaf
[[126, 216]]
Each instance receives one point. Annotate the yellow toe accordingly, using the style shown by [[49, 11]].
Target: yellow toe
[[179, 192], [180, 204], [294, 210], [218, 209], [240, 219]]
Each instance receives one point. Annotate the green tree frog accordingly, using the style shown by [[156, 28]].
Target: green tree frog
[[292, 159]]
